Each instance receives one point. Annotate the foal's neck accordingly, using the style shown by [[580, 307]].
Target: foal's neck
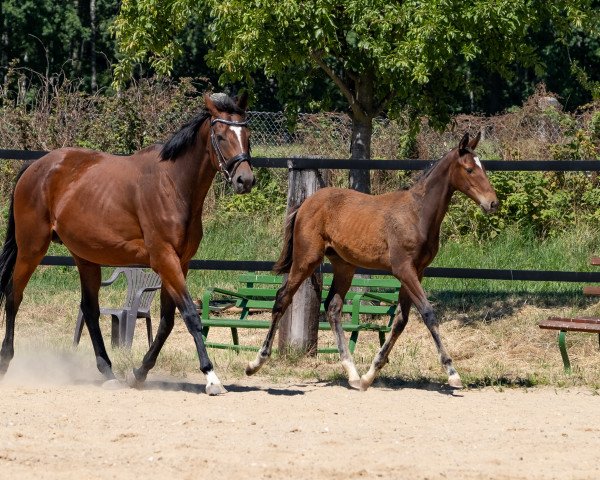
[[435, 193]]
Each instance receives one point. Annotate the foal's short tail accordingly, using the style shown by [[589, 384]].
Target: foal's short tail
[[8, 256], [284, 263]]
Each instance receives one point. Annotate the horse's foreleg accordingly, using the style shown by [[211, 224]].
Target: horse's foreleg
[[90, 277], [412, 282], [172, 274], [398, 324], [167, 320]]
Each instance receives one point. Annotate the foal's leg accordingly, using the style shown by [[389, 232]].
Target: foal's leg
[[299, 272], [90, 277], [400, 321], [411, 281], [342, 279], [167, 320]]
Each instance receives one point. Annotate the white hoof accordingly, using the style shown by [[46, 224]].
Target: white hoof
[[254, 366], [113, 384], [356, 384], [454, 381], [213, 384]]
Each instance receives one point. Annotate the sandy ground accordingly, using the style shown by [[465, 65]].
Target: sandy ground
[[58, 422]]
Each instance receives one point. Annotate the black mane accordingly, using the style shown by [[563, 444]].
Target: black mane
[[185, 138]]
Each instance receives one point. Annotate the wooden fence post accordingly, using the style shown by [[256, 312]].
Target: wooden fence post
[[299, 327]]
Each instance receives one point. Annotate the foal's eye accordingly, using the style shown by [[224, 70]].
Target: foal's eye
[[469, 170]]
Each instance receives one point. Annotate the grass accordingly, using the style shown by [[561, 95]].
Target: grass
[[489, 327]]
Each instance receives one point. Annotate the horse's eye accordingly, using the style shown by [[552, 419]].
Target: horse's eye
[[469, 170]]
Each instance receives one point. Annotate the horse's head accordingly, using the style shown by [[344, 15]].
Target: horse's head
[[468, 175], [231, 144]]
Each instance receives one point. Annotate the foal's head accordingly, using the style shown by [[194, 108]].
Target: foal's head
[[231, 142], [468, 175]]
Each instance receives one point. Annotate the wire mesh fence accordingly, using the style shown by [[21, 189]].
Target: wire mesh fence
[[540, 129]]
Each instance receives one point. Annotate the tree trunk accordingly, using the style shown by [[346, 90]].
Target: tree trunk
[[93, 34], [299, 327], [363, 111], [362, 131]]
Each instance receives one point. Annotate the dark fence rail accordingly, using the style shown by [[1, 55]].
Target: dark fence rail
[[324, 163], [434, 272], [407, 164]]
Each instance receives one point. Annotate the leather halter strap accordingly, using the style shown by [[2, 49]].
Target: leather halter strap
[[228, 167]]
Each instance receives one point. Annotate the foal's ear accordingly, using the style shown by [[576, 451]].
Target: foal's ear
[[210, 105], [473, 143], [464, 142], [242, 100]]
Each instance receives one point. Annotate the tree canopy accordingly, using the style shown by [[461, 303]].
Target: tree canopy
[[412, 56]]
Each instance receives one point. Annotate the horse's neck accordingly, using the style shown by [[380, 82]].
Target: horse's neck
[[436, 193]]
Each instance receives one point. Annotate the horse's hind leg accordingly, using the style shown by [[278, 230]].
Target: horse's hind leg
[[299, 272], [400, 321], [90, 277], [342, 279], [24, 267]]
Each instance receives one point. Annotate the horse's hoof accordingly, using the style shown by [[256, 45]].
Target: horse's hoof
[[355, 383], [365, 384], [454, 381], [215, 389], [133, 381], [113, 384], [251, 370]]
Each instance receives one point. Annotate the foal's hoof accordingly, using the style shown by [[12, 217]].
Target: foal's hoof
[[213, 389], [454, 381], [133, 381], [251, 368], [356, 384], [113, 384]]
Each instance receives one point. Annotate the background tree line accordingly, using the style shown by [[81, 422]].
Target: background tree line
[[77, 38]]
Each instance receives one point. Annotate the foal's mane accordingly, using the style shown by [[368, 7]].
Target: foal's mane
[[185, 137], [425, 174]]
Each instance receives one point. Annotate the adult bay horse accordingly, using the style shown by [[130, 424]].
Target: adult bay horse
[[397, 231], [145, 209]]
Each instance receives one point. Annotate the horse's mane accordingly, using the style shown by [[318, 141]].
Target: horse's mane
[[425, 174], [185, 138]]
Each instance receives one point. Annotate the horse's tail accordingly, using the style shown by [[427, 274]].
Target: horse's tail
[[8, 256], [284, 263]]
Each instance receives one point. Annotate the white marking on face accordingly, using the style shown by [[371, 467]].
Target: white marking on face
[[478, 162], [238, 134]]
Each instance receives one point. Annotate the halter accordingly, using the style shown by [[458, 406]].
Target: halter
[[227, 168]]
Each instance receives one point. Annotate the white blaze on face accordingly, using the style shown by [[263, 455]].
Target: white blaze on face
[[238, 134], [478, 162]]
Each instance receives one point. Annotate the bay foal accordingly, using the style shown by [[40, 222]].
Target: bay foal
[[397, 231]]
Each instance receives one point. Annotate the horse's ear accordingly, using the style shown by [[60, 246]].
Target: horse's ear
[[473, 143], [242, 100], [464, 142], [210, 105]]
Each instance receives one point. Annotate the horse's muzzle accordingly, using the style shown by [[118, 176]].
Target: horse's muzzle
[[490, 206], [243, 180]]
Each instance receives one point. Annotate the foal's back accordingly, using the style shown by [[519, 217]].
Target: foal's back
[[359, 227]]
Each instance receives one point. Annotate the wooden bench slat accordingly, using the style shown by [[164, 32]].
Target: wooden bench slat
[[593, 320], [591, 290], [570, 325]]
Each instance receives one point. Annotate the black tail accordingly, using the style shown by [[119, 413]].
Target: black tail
[[8, 256], [284, 263]]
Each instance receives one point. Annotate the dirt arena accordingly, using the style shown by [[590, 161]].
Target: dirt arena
[[56, 421]]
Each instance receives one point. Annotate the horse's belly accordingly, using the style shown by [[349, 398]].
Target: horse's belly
[[363, 255]]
